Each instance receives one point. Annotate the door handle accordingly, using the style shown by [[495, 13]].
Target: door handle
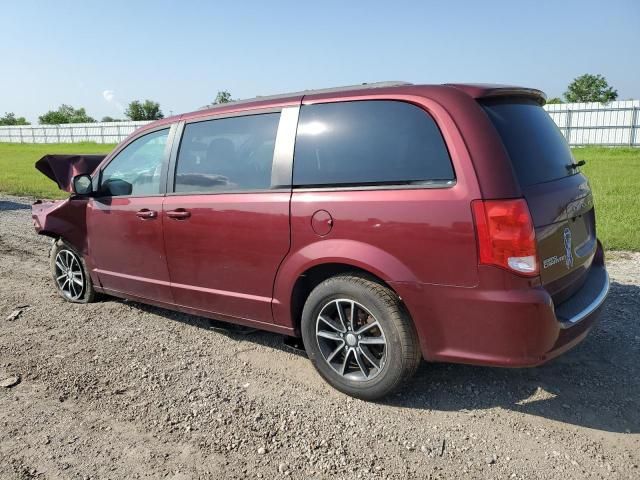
[[179, 214], [145, 213]]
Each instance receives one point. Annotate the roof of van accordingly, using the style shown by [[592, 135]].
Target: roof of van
[[474, 90]]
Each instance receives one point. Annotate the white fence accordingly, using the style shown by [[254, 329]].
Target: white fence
[[612, 124], [107, 132]]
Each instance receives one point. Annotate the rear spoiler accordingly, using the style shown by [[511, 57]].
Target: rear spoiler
[[481, 90], [62, 168]]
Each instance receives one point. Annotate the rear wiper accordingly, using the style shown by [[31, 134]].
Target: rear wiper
[[575, 165]]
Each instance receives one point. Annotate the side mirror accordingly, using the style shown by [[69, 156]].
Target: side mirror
[[82, 184], [116, 187]]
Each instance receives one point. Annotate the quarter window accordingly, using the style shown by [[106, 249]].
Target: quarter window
[[137, 169], [227, 154], [369, 143]]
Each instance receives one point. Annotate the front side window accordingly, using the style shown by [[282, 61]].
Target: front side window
[[137, 169], [227, 154], [369, 143]]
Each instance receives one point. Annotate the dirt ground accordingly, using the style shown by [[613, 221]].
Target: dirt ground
[[121, 390]]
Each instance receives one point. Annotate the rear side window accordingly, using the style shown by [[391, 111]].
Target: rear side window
[[538, 150], [228, 154], [369, 143]]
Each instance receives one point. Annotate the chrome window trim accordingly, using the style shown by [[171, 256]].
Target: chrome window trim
[[282, 167], [356, 188], [173, 158], [229, 192]]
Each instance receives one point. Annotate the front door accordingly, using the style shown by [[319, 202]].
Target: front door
[[124, 220], [226, 225]]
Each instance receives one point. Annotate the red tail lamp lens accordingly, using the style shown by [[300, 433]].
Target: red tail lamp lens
[[506, 236]]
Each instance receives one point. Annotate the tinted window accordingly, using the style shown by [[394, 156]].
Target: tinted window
[[368, 142], [227, 154], [139, 164], [538, 150]]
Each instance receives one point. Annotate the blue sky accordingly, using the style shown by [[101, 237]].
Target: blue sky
[[101, 55]]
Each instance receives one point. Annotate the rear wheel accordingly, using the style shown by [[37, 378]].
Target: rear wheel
[[70, 274], [359, 336]]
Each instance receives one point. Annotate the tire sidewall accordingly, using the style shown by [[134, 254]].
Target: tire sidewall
[[337, 288]]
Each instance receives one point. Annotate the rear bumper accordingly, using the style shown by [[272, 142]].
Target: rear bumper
[[585, 301], [502, 327]]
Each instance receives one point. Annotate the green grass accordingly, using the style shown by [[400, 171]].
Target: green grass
[[614, 174], [18, 176]]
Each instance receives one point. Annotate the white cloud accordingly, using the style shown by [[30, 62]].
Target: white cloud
[[110, 97]]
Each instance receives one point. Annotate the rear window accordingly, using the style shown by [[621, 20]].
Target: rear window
[[369, 143], [538, 150]]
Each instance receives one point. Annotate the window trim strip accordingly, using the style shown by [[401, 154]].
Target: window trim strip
[[282, 165], [356, 188]]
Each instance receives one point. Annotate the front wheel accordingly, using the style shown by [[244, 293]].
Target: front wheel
[[359, 336], [70, 274]]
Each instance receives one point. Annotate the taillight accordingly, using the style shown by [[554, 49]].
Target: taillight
[[506, 237]]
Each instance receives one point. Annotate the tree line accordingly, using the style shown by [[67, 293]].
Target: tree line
[[588, 88], [585, 88], [136, 110]]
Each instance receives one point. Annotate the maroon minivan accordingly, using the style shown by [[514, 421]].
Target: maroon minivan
[[382, 224]]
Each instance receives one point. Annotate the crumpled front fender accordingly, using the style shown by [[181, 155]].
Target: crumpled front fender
[[65, 219]]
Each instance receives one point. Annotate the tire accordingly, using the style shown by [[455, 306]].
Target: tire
[[382, 346], [74, 287]]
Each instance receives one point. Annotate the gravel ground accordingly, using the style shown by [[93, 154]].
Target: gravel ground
[[120, 390]]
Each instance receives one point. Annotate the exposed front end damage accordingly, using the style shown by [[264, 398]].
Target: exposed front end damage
[[64, 219]]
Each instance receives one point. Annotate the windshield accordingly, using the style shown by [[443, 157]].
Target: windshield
[[538, 150]]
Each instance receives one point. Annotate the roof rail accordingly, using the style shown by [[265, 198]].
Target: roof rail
[[362, 86]]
